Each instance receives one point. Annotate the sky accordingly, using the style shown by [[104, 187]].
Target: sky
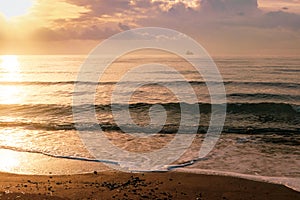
[[222, 27]]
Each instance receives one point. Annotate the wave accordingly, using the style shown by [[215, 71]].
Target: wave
[[269, 84], [259, 118], [167, 129], [21, 150], [243, 108], [265, 96]]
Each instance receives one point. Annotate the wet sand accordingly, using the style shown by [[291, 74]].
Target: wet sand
[[119, 185]]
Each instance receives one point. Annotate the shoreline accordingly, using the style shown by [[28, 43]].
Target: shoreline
[[291, 183], [35, 164], [150, 185]]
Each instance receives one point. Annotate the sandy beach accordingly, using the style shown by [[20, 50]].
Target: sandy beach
[[119, 185]]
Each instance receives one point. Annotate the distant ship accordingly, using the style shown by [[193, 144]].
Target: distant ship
[[189, 53]]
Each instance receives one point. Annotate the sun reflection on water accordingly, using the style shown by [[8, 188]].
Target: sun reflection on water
[[9, 74], [10, 63], [11, 92]]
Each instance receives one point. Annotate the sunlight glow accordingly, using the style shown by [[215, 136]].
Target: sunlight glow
[[9, 63], [10, 72], [9, 160], [14, 8], [167, 5], [10, 94]]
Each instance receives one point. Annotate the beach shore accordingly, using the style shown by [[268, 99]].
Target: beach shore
[[119, 185]]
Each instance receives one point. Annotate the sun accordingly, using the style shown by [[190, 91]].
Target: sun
[[14, 8]]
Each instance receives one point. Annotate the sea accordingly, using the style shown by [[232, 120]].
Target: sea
[[260, 136]]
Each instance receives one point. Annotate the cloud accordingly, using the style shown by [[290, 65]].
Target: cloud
[[124, 14], [46, 34], [102, 7], [271, 5], [218, 24], [229, 6], [232, 26], [123, 27], [46, 11], [225, 26], [89, 33], [222, 13], [280, 19]]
